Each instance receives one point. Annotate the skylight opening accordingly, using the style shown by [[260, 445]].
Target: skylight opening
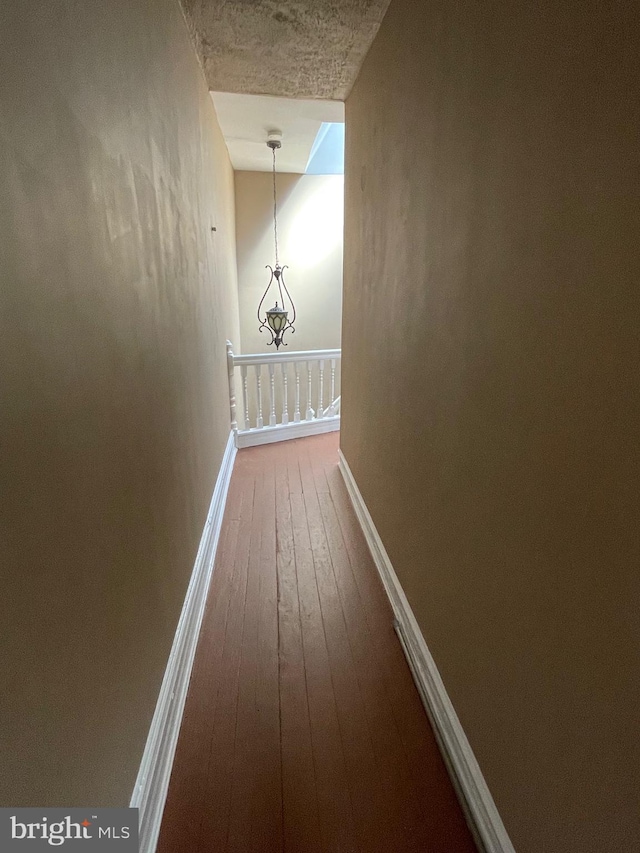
[[327, 152]]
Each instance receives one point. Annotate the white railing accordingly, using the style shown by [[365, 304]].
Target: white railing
[[283, 394]]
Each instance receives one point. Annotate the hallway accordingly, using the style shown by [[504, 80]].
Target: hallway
[[303, 730]]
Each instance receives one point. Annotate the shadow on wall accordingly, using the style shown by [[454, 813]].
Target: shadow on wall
[[115, 305], [98, 410], [310, 239]]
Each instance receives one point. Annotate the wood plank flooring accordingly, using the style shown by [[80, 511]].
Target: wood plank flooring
[[303, 730]]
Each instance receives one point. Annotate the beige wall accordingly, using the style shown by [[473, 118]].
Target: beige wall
[[310, 220], [491, 277], [115, 301]]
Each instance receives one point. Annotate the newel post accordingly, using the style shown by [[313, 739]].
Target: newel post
[[232, 387]]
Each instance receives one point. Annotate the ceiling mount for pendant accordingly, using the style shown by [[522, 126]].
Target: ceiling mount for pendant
[[274, 139], [276, 320]]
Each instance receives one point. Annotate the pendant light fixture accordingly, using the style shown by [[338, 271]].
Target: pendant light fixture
[[276, 320]]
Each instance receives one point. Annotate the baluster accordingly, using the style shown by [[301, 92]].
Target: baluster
[[245, 396], [310, 412], [272, 381], [296, 414], [259, 421], [232, 386], [320, 389], [332, 409], [285, 402]]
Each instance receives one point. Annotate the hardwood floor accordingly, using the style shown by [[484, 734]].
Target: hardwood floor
[[303, 730]]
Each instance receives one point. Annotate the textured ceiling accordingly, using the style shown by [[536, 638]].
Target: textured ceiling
[[291, 48]]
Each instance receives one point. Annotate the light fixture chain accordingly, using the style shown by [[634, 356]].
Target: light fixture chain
[[276, 320], [275, 206]]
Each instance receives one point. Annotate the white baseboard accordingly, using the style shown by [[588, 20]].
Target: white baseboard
[[282, 432], [150, 791], [476, 799]]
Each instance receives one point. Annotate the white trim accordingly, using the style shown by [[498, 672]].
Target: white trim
[[476, 798], [280, 357], [282, 432], [333, 409], [150, 791]]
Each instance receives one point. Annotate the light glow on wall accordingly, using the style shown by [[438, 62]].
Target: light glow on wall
[[317, 228]]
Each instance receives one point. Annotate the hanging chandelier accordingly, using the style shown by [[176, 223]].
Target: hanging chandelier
[[276, 320]]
